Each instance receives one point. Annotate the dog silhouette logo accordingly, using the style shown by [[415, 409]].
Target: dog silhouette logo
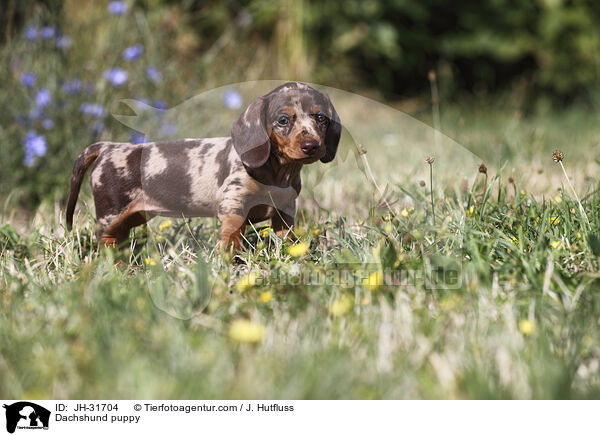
[[26, 415]]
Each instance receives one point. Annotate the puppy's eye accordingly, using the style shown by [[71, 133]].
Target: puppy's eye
[[321, 119], [283, 120]]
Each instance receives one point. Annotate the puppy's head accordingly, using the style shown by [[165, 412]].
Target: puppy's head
[[296, 122]]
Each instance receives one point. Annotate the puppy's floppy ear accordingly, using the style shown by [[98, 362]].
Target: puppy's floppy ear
[[249, 134], [332, 137]]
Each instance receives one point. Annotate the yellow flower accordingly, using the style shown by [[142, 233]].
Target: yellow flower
[[34, 395], [554, 220], [578, 235], [298, 250], [556, 244], [149, 261], [265, 232], [558, 199], [374, 281], [470, 211], [165, 225], [243, 330], [404, 213], [341, 306], [265, 297], [246, 282], [526, 327]]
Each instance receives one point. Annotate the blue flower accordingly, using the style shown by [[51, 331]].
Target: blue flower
[[137, 138], [232, 99], [42, 98], [133, 52], [64, 42], [35, 146], [169, 129], [31, 33], [48, 124], [28, 79], [47, 32], [93, 109], [35, 113], [117, 7], [116, 76], [28, 160], [162, 105], [71, 87], [97, 128], [153, 74]]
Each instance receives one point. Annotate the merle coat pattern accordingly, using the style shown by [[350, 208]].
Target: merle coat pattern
[[252, 175]]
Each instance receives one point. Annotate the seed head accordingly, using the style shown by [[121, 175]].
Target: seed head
[[430, 159], [431, 75], [482, 168], [557, 156], [421, 183]]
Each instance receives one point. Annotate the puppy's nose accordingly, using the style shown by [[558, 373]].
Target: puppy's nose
[[309, 146]]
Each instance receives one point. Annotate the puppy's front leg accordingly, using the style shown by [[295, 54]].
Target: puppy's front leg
[[232, 229]]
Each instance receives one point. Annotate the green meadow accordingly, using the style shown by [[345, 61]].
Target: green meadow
[[472, 276]]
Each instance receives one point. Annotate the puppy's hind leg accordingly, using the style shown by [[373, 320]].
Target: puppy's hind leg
[[117, 231]]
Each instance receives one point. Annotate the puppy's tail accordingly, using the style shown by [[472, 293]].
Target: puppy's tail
[[82, 163]]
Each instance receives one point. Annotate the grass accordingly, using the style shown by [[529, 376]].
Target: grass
[[494, 297], [165, 321]]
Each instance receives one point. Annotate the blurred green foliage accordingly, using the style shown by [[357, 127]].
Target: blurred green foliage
[[549, 45], [542, 48]]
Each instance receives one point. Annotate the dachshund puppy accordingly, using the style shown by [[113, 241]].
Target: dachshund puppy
[[253, 175]]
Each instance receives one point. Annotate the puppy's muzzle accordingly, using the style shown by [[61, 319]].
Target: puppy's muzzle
[[309, 146]]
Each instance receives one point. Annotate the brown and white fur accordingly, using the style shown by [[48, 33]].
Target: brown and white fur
[[252, 175]]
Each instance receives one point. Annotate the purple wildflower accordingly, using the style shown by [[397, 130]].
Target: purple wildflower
[[169, 129], [35, 113], [28, 160], [117, 7], [48, 124], [31, 33], [160, 104], [93, 109], [43, 98], [47, 32], [137, 138], [154, 74], [28, 79], [64, 41], [116, 76], [232, 99], [35, 146], [97, 128], [133, 52], [71, 87]]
